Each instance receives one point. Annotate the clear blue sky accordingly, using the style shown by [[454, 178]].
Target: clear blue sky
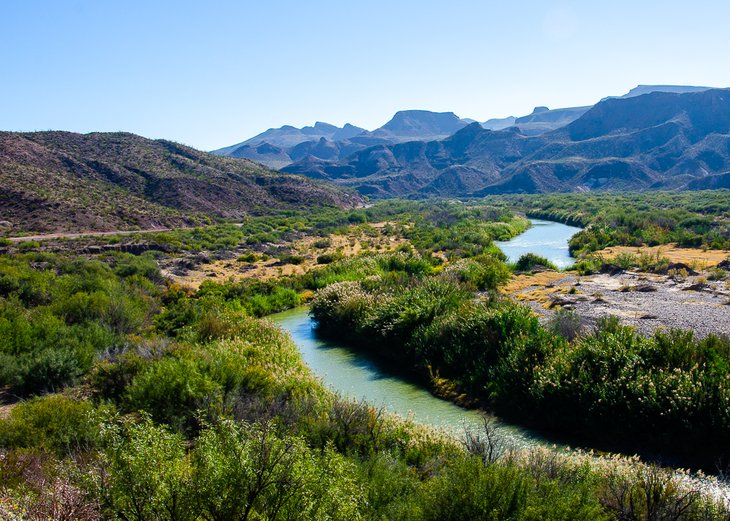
[[213, 73]]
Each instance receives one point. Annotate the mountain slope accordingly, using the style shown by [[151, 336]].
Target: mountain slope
[[289, 136], [656, 140], [676, 89], [421, 125], [544, 120], [277, 148], [62, 181]]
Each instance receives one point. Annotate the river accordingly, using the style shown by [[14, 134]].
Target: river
[[353, 375], [545, 238]]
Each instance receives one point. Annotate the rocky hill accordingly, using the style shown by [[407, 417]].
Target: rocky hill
[[277, 148], [651, 141], [62, 181], [421, 125]]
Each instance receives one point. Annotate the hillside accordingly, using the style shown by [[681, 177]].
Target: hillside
[[652, 141], [62, 181], [544, 120]]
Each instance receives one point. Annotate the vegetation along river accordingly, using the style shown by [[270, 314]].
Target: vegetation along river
[[353, 375]]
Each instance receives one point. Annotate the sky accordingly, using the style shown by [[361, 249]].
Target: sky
[[214, 73]]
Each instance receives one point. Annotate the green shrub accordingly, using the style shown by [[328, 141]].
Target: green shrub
[[229, 459], [625, 261], [148, 475], [248, 257], [291, 259], [328, 258], [171, 390], [483, 272], [566, 323], [469, 490], [29, 245], [530, 261], [588, 265], [321, 244], [54, 423]]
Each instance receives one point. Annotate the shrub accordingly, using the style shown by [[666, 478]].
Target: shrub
[[625, 261], [588, 265], [148, 473], [328, 258], [321, 244], [482, 273], [248, 257], [717, 273], [28, 245], [55, 423], [230, 459], [171, 390], [530, 261], [291, 259], [566, 323]]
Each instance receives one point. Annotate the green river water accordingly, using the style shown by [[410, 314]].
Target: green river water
[[353, 375]]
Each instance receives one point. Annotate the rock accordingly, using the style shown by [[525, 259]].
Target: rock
[[681, 266], [6, 225]]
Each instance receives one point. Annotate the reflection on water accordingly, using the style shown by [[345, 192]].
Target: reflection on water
[[545, 238]]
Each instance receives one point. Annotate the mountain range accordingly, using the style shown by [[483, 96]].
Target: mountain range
[[280, 147], [63, 181], [659, 140]]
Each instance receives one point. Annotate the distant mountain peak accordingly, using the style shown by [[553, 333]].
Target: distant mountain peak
[[327, 127], [421, 124]]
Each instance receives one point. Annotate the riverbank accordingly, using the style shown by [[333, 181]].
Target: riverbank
[[645, 301], [353, 375]]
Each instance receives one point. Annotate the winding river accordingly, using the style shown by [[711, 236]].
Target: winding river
[[353, 375]]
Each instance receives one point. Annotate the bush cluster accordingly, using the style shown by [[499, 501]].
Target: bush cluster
[[668, 391]]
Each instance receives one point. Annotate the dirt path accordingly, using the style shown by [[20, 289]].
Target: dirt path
[[77, 235]]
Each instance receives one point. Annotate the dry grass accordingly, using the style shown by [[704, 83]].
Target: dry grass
[[349, 245], [694, 257], [524, 281], [540, 287]]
